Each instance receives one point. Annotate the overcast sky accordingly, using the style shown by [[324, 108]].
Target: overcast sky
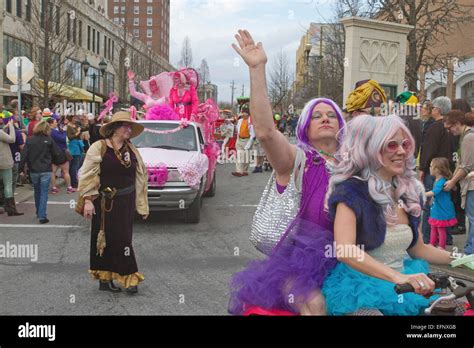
[[211, 25]]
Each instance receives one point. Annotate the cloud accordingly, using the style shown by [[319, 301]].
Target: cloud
[[212, 24]]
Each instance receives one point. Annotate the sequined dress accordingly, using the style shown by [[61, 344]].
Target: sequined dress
[[300, 264]]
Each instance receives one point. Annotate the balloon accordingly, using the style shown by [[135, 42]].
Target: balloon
[[277, 117]]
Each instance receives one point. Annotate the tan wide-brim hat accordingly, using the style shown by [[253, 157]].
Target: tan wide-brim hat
[[123, 116]]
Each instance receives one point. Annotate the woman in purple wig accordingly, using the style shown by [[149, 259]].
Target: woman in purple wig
[[290, 279]]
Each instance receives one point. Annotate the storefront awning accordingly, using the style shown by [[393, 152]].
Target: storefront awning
[[69, 92]]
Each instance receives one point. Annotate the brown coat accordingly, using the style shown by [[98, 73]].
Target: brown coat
[[89, 180]]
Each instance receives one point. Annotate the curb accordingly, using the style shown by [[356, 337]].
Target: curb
[[26, 193]]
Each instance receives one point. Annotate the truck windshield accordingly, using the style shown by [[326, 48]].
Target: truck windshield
[[184, 139]]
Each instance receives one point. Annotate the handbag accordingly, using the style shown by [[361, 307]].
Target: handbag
[[68, 155], [277, 210]]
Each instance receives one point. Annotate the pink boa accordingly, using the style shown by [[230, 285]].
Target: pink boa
[[212, 151]]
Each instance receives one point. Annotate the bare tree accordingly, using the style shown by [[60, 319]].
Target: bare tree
[[186, 54], [204, 74], [51, 30], [326, 69], [280, 82], [432, 20]]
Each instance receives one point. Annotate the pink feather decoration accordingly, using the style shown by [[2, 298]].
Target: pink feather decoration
[[161, 113], [158, 176]]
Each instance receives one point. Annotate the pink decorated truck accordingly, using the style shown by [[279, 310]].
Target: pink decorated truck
[[181, 166]]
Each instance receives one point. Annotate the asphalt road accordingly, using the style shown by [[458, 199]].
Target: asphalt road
[[187, 267]]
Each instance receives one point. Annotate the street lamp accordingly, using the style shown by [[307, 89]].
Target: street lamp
[[102, 69]]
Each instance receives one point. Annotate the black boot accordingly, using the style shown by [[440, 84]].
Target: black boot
[[10, 207], [132, 290], [108, 285]]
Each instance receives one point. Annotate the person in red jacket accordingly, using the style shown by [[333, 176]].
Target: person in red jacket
[[35, 116]]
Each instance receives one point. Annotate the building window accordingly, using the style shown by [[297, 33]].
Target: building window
[[122, 9], [116, 9], [74, 30], [42, 14], [8, 6], [136, 22], [98, 43], [57, 19], [53, 64], [149, 22], [68, 29], [105, 46], [93, 40], [149, 33], [19, 8], [117, 20], [89, 37], [136, 10], [113, 50], [136, 32], [28, 10], [90, 80], [149, 10], [80, 33], [73, 71], [122, 20], [149, 43], [13, 48]]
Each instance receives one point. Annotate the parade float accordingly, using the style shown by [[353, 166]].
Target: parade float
[[178, 144]]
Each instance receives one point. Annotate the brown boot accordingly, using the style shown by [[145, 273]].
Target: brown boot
[[10, 207]]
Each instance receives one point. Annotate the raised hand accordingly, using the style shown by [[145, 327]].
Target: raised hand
[[131, 75], [253, 54]]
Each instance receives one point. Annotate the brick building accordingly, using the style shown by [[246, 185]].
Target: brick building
[[146, 20], [89, 35]]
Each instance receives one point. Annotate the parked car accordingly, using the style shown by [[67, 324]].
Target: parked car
[[177, 166]]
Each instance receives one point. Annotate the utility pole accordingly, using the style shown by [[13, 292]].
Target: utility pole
[[320, 60], [233, 88]]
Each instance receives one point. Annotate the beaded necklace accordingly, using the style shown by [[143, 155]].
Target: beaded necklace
[[125, 162]]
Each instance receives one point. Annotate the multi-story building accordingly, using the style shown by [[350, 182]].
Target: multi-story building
[[147, 20], [456, 79], [309, 52], [80, 31]]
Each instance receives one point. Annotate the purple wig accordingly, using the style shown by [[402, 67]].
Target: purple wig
[[305, 120]]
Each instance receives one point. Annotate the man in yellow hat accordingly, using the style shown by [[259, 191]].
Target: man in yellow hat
[[366, 99]]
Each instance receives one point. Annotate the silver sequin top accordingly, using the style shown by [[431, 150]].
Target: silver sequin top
[[394, 250]]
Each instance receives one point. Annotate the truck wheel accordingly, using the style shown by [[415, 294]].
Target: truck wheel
[[212, 189], [193, 213]]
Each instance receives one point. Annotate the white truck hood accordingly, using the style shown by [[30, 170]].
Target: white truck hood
[[172, 158]]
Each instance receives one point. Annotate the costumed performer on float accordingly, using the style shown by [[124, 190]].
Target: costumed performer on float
[[183, 96], [156, 89]]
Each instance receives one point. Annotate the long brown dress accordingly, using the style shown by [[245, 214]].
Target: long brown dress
[[118, 260]]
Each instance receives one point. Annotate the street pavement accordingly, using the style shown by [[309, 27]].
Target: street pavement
[[187, 267]]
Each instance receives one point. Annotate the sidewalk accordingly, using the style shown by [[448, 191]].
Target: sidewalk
[[26, 193]]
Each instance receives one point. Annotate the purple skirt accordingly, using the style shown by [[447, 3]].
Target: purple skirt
[[289, 275]]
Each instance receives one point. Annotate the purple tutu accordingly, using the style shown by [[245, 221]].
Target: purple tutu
[[286, 278]]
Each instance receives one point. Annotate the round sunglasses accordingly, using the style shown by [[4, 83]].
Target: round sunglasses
[[393, 145]]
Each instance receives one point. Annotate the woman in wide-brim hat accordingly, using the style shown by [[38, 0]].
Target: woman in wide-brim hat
[[112, 186]]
